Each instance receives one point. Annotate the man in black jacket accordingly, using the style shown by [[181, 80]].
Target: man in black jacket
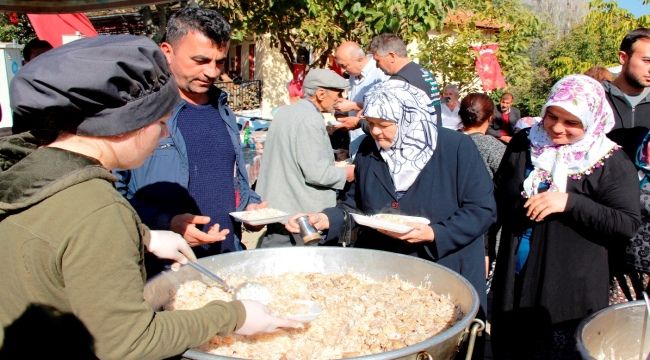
[[389, 51], [506, 116], [629, 93]]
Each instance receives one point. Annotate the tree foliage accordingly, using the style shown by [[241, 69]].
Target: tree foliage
[[320, 25], [15, 27], [449, 54], [532, 54], [594, 42]]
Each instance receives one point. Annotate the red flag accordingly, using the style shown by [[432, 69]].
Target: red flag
[[487, 67], [333, 65], [52, 27], [295, 85]]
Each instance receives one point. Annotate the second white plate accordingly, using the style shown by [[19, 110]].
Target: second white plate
[[377, 223]]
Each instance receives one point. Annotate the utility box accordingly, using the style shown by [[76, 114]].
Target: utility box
[[11, 60]]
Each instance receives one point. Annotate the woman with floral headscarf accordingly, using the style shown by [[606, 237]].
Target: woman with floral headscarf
[[565, 194], [409, 166]]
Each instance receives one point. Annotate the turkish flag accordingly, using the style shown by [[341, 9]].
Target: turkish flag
[[52, 27], [295, 85], [333, 65], [487, 67]]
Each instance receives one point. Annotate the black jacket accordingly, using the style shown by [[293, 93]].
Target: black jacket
[[625, 115], [566, 275], [453, 191], [497, 122]]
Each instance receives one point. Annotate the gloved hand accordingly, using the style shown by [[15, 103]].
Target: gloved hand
[[170, 245], [259, 320]]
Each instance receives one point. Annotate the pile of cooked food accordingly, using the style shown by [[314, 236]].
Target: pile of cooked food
[[360, 316]]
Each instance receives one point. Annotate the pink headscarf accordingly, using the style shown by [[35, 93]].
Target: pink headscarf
[[583, 97]]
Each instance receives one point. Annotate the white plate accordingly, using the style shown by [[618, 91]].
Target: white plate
[[376, 223], [329, 119], [249, 218]]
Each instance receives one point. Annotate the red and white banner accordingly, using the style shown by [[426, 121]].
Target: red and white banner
[[52, 27], [487, 67], [295, 85]]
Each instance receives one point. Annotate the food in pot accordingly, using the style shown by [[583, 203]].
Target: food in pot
[[360, 316]]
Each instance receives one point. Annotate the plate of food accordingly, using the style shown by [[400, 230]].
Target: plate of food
[[390, 222], [330, 119], [260, 216]]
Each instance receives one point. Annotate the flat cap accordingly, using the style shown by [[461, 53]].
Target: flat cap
[[100, 86], [324, 78]]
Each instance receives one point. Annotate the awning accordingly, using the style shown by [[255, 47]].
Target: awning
[[70, 6]]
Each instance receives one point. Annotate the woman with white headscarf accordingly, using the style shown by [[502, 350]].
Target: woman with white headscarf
[[566, 194], [409, 166]]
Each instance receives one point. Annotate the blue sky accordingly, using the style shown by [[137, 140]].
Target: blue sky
[[636, 7]]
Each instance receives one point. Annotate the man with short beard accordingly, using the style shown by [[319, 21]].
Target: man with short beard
[[629, 93], [197, 175]]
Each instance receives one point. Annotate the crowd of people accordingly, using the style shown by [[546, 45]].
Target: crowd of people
[[121, 168]]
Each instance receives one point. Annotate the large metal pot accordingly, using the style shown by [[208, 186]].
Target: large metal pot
[[614, 333], [375, 264]]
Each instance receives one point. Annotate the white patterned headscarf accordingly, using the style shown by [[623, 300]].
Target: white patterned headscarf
[[411, 109], [583, 97]]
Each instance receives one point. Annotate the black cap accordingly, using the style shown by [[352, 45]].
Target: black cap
[[100, 86]]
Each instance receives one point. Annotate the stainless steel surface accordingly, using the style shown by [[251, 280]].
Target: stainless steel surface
[[614, 333], [477, 328], [307, 232], [214, 277], [644, 329], [372, 263]]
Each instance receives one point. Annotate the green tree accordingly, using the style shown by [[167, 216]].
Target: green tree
[[15, 27], [518, 32], [594, 42], [320, 25]]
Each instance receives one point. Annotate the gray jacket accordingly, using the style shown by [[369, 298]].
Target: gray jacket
[[298, 172]]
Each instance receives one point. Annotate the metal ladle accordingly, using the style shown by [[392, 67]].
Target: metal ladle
[[246, 291], [207, 272]]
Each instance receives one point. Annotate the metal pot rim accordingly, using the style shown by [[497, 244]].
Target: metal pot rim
[[300, 252]]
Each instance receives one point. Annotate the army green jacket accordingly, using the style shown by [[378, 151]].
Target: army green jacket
[[69, 240]]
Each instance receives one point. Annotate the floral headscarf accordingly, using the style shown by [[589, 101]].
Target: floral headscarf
[[411, 109], [583, 97]]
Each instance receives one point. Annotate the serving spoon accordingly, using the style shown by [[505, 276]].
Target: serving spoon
[[258, 292], [245, 291]]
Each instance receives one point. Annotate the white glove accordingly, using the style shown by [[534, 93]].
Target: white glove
[[170, 245], [259, 320]]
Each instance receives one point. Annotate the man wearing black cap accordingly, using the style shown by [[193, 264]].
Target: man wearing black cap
[[298, 173], [188, 185]]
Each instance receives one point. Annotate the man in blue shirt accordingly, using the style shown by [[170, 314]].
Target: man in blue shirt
[[364, 74], [197, 175]]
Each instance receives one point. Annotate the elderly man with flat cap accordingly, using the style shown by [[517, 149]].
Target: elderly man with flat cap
[[298, 172]]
